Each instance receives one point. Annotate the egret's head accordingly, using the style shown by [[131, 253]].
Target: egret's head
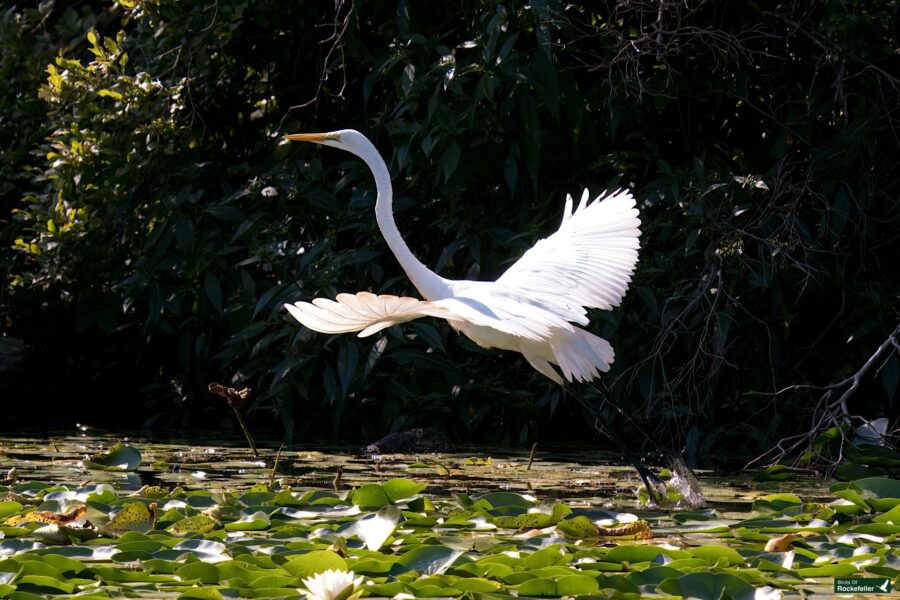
[[346, 139], [337, 139]]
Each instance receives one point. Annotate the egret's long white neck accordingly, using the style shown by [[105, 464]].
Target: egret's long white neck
[[429, 284]]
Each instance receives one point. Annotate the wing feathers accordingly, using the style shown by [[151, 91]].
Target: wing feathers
[[588, 261], [364, 312]]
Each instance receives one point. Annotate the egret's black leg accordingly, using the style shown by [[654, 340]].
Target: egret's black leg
[[655, 487], [604, 399], [683, 477]]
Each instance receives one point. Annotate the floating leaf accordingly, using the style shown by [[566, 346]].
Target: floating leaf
[[579, 527], [311, 563], [195, 524], [252, 522], [401, 489], [636, 554], [874, 455], [714, 554], [118, 458], [201, 593], [63, 534], [9, 508], [776, 502], [535, 519], [199, 571], [715, 585], [42, 583], [39, 516], [134, 516], [371, 495], [426, 560], [502, 499], [775, 473], [374, 529], [852, 471]]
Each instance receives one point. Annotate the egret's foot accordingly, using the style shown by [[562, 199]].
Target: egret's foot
[[681, 490]]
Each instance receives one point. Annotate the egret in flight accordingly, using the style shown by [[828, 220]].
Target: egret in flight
[[536, 308]]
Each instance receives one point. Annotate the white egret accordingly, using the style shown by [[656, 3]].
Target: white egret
[[535, 308]]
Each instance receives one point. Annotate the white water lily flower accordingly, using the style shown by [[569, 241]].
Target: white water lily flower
[[481, 524], [331, 585]]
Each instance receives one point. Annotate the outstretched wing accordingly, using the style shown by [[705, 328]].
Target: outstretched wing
[[587, 262], [363, 312]]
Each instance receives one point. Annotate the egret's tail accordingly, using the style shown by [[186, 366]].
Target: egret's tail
[[363, 312], [581, 355]]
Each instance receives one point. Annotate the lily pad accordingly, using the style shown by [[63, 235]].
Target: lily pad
[[711, 586], [134, 516], [775, 473], [120, 457], [311, 563], [426, 560]]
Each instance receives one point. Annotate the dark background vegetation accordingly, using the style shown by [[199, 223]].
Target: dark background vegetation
[[153, 224]]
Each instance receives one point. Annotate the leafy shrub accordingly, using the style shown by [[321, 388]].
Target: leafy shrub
[[160, 224]]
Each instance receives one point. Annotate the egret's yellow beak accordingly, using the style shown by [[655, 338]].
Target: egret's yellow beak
[[318, 138]]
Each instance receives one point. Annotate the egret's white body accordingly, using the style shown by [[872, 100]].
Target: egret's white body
[[535, 308]]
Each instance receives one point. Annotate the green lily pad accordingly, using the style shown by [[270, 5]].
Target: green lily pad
[[579, 527], [536, 519], [426, 560], [195, 524], [884, 493], [8, 508], [891, 516], [775, 473], [777, 502], [42, 583], [134, 516], [371, 496], [503, 499], [375, 529], [401, 489], [638, 554], [714, 554], [874, 456], [118, 458], [201, 593], [252, 522], [709, 586], [311, 563], [851, 471], [199, 571]]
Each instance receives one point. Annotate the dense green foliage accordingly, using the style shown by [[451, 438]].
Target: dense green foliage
[[158, 224]]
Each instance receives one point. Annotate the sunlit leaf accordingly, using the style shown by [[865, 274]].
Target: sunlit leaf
[[195, 524], [426, 560], [310, 563], [134, 516], [8, 508], [118, 458], [375, 528], [252, 522]]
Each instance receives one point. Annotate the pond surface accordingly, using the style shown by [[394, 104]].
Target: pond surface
[[204, 462], [487, 494]]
